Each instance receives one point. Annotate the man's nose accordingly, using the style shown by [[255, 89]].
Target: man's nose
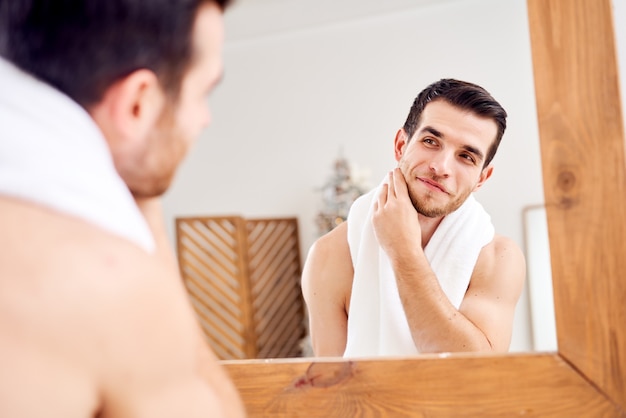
[[440, 164]]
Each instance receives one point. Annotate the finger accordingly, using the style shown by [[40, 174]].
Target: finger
[[392, 189], [399, 183], [382, 196]]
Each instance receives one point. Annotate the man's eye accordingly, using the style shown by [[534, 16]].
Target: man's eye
[[468, 157], [429, 141]]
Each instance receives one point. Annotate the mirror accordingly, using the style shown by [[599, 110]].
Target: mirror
[[584, 165], [306, 81]]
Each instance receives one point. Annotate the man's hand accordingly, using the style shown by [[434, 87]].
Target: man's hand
[[483, 321], [395, 220]]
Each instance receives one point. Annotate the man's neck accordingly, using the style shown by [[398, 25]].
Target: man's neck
[[429, 226]]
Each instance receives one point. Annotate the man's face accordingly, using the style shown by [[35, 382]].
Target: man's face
[[443, 162], [181, 122]]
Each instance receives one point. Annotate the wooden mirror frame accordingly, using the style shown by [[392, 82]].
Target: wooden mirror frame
[[583, 154]]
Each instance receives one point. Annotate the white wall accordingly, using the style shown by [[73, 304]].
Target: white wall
[[306, 79]]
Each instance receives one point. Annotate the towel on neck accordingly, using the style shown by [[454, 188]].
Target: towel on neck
[[377, 325], [53, 154]]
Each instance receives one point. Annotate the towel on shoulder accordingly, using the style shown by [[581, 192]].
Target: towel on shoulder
[[53, 154], [377, 325]]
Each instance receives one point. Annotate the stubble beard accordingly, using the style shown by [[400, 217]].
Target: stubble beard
[[153, 171], [426, 205]]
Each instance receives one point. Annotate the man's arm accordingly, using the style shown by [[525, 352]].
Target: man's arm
[[494, 289], [484, 320], [326, 286]]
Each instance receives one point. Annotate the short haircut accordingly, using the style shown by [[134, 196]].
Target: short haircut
[[81, 47], [465, 96]]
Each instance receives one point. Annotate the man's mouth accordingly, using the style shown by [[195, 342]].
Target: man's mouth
[[433, 184]]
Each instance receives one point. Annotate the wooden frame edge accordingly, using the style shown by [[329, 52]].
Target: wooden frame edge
[[586, 376]]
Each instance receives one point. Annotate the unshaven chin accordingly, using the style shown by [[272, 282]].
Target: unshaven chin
[[151, 171], [424, 201]]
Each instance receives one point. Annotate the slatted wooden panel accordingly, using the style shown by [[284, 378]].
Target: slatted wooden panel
[[243, 278], [274, 274], [211, 256]]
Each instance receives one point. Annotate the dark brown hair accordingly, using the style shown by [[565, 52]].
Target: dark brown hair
[[465, 96], [82, 47]]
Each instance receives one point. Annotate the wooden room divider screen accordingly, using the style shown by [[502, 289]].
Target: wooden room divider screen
[[243, 278]]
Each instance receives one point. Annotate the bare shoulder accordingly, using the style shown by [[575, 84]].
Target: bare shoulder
[[328, 265], [502, 249], [160, 364], [106, 326], [333, 242], [501, 263]]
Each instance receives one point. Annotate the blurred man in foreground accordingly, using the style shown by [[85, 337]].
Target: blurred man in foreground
[[99, 103]]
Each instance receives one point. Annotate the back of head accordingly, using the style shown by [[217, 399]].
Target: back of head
[[465, 96], [81, 47]]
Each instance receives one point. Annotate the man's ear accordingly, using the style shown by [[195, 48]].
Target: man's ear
[[130, 107], [484, 175], [400, 143]]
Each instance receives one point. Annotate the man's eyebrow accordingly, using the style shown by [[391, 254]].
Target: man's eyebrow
[[474, 151], [432, 131]]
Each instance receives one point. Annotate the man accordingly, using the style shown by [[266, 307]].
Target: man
[[417, 267], [99, 102]]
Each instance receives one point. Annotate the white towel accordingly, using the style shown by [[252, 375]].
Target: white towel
[[377, 325], [53, 154]]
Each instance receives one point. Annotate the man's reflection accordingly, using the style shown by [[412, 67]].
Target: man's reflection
[[417, 267]]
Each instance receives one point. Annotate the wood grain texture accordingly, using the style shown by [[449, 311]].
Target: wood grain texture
[[583, 154], [582, 146], [243, 279], [274, 270], [458, 386], [213, 264]]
